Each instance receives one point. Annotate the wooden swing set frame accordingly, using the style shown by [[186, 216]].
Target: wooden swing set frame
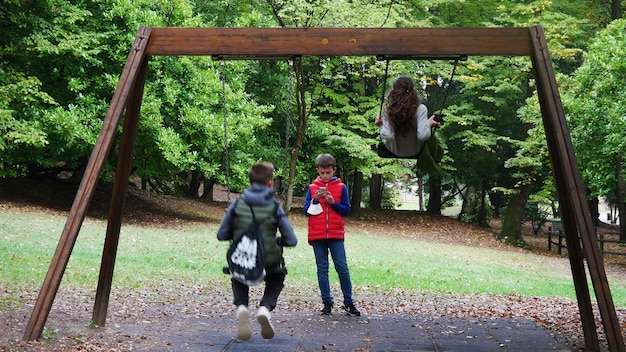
[[268, 43]]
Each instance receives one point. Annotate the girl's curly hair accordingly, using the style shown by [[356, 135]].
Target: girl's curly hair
[[402, 103]]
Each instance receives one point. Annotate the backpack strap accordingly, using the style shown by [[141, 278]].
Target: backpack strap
[[275, 211], [276, 217], [281, 268], [277, 222], [232, 218], [252, 211], [234, 213]]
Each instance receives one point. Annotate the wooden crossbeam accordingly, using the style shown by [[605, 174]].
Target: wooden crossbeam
[[340, 41]]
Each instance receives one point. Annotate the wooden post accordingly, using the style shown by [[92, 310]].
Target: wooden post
[[120, 187], [549, 239], [76, 216], [576, 216]]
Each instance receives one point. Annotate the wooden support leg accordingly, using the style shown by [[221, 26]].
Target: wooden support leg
[[77, 213], [120, 187], [555, 132], [581, 286], [51, 283], [576, 215]]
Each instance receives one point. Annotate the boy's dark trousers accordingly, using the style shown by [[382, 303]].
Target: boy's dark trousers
[[274, 283]]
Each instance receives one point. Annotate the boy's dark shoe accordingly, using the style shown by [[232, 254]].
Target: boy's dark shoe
[[328, 308], [352, 311]]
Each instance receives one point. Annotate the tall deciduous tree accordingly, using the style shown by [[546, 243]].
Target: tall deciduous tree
[[596, 113], [46, 54], [61, 60], [528, 165], [344, 137]]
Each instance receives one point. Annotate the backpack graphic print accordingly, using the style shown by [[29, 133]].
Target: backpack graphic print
[[246, 255]]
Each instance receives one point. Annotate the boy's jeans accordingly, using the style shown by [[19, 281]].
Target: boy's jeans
[[338, 253]]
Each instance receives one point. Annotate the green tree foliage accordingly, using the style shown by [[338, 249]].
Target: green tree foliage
[[61, 67], [61, 61], [341, 107], [36, 37], [495, 92], [191, 120], [597, 115]]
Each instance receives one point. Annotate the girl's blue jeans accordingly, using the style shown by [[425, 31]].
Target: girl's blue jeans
[[321, 248]]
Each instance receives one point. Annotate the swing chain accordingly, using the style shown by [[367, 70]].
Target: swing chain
[[226, 158], [288, 121], [382, 94], [294, 60], [443, 104]]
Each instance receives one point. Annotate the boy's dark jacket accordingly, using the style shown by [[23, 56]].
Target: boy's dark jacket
[[238, 216]]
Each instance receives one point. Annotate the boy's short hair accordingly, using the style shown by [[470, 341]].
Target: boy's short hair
[[325, 160], [261, 172]]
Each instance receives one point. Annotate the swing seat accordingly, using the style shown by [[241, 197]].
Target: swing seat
[[428, 158], [383, 152]]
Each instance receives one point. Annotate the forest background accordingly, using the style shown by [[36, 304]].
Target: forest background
[[204, 121]]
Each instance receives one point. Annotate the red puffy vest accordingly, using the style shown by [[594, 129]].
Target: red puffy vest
[[329, 224]]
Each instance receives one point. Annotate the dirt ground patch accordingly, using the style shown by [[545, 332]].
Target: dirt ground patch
[[72, 308]]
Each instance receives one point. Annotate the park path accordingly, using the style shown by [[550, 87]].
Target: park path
[[307, 331]]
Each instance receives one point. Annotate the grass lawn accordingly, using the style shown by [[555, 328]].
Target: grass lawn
[[149, 256]]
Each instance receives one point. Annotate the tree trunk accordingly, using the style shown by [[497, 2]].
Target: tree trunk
[[613, 211], [616, 9], [193, 183], [469, 191], [482, 212], [357, 193], [420, 193], [512, 224], [208, 188], [497, 201], [434, 194], [594, 209], [376, 191], [300, 129], [278, 184]]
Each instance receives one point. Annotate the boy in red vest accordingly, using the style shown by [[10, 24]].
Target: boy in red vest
[[327, 203]]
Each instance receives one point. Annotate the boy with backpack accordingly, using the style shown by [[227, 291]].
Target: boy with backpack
[[257, 201]]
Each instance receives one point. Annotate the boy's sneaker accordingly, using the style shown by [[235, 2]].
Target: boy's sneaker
[[328, 308], [243, 323], [352, 311], [263, 316]]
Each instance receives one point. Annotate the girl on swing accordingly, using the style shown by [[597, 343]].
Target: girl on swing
[[404, 126]]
